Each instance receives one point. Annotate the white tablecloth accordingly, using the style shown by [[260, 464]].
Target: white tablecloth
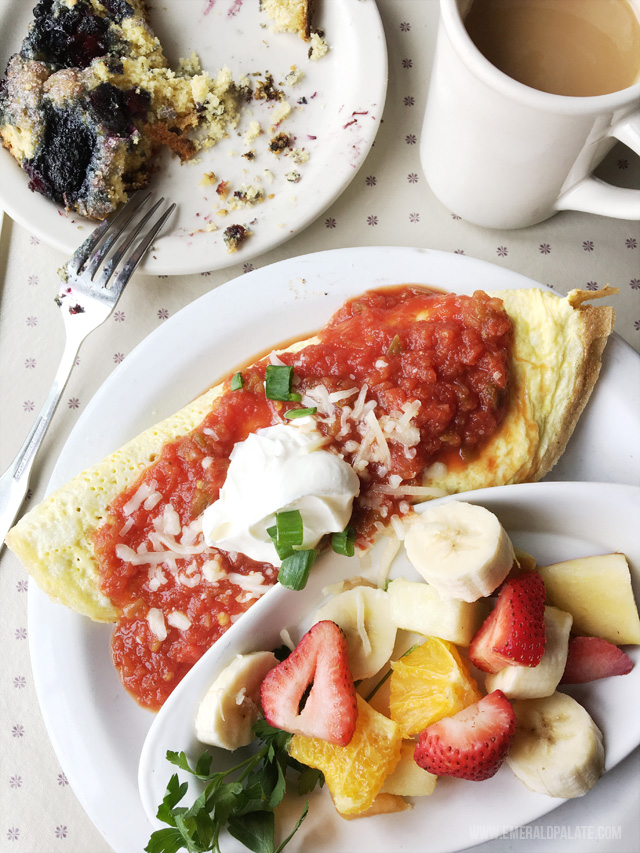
[[388, 203]]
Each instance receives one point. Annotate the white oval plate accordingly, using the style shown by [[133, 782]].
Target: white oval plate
[[552, 521], [204, 341], [344, 92]]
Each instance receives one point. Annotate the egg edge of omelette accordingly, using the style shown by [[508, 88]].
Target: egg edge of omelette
[[53, 541]]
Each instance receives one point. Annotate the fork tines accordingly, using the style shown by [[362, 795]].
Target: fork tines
[[120, 227]]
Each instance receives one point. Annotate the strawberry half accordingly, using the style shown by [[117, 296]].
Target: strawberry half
[[320, 661], [514, 632], [472, 744], [590, 658]]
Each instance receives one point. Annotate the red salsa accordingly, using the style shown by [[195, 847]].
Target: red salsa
[[401, 378]]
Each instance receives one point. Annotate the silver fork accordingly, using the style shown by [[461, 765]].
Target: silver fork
[[86, 299]]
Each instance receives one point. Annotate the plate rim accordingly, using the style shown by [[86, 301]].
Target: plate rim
[[50, 224], [283, 272], [525, 498]]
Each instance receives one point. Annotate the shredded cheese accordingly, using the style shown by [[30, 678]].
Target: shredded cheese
[[152, 501], [358, 406], [285, 636], [157, 578], [188, 580], [213, 570], [156, 623], [168, 522], [338, 396], [141, 495], [436, 471], [252, 583], [180, 620]]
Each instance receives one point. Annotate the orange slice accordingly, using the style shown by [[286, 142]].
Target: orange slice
[[354, 773], [429, 683]]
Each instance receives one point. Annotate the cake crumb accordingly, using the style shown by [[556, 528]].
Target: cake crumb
[[298, 155], [294, 76], [319, 46], [279, 114], [279, 143], [234, 236], [247, 195], [252, 132]]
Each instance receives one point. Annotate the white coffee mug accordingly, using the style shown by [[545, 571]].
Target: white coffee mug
[[504, 155]]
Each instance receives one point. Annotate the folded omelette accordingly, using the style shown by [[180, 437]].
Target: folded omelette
[[555, 360]]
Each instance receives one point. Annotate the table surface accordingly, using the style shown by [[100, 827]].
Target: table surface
[[388, 203]]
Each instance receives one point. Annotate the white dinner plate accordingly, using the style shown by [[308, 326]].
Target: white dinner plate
[[552, 521], [337, 107], [204, 341]]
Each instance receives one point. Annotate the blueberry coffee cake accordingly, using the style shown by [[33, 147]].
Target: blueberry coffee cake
[[89, 99], [292, 16]]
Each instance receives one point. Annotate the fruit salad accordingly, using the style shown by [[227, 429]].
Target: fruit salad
[[457, 675]]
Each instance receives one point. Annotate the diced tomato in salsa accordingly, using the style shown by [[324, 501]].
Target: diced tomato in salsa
[[384, 350]]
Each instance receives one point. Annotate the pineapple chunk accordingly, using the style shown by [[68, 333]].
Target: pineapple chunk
[[383, 804], [409, 779], [597, 592], [524, 561], [417, 606]]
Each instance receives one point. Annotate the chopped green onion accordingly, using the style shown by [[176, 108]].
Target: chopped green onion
[[289, 526], [344, 542], [287, 533], [300, 413], [294, 571], [277, 382], [281, 551], [237, 381]]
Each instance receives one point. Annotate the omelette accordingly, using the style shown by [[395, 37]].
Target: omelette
[[518, 365]]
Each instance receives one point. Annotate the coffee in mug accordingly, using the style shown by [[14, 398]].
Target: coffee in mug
[[507, 148], [565, 47]]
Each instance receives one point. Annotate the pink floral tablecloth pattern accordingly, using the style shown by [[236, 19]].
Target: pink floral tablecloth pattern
[[388, 203]]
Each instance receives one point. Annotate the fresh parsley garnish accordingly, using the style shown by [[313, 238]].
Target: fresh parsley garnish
[[241, 799]]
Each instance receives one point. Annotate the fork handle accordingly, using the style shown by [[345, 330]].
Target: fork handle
[[15, 480]]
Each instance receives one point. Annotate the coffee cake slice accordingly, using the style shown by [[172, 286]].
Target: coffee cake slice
[[89, 99]]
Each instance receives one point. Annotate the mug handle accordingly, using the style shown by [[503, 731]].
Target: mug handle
[[592, 195]]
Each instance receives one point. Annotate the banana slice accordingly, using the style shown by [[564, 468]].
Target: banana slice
[[461, 549], [535, 682], [557, 748], [232, 704], [364, 614]]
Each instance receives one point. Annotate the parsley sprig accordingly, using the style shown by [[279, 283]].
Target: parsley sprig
[[243, 804]]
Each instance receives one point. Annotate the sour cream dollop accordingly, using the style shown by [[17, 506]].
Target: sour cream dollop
[[281, 467]]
